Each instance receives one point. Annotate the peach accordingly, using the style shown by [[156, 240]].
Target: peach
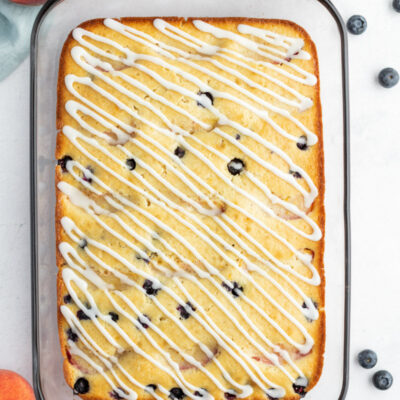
[[29, 2], [14, 387]]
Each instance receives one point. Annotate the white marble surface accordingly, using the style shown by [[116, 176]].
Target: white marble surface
[[375, 205]]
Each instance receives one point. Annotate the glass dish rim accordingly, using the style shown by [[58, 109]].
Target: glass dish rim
[[47, 7]]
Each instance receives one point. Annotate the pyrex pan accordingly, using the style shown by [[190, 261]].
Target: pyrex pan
[[320, 18]]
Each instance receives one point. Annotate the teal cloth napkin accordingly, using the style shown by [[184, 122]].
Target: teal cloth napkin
[[16, 23]]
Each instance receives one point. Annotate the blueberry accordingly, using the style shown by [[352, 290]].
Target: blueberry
[[81, 386], [83, 243], [208, 95], [62, 162], [144, 320], [230, 396], [150, 388], [131, 163], [272, 395], [382, 380], [139, 257], [388, 78], [235, 290], [295, 174], [114, 316], [148, 287], [176, 393], [357, 24], [116, 394], [183, 310], [200, 393], [304, 305], [180, 152], [236, 166], [367, 359], [396, 5], [86, 175], [299, 386], [302, 143], [72, 335], [67, 299], [82, 316], [237, 137]]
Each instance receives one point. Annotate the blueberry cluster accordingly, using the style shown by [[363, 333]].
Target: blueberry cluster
[[382, 379], [357, 25]]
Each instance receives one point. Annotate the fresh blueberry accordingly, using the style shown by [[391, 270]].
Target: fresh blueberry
[[150, 388], [183, 310], [295, 174], [388, 78], [357, 24], [396, 5], [382, 380], [82, 316], [131, 163], [367, 359], [72, 335], [83, 243], [148, 287], [236, 166], [299, 386], [62, 162], [67, 299], [180, 152], [81, 386], [235, 290], [144, 320], [302, 143], [229, 396], [176, 393], [114, 316], [208, 95]]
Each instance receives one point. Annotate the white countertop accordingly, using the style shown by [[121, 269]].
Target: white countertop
[[375, 157]]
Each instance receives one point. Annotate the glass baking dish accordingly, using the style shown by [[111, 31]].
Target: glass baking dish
[[319, 17]]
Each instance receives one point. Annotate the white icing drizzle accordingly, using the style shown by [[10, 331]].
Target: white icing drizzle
[[276, 50], [308, 199]]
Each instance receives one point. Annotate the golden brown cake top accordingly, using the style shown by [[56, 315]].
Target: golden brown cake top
[[190, 209]]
